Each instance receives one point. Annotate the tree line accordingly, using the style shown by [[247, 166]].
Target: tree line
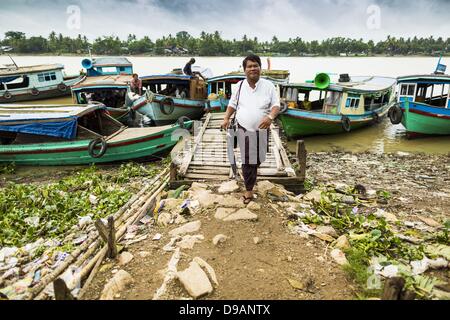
[[212, 44]]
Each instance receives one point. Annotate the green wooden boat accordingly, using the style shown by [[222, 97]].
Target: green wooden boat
[[76, 134], [423, 105], [349, 104]]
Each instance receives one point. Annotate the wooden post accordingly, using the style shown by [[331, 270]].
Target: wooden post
[[173, 172], [112, 248], [394, 289], [301, 159], [61, 290], [108, 234]]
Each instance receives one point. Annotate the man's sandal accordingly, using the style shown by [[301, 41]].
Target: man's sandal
[[247, 200]]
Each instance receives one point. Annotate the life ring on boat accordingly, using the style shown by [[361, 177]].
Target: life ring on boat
[[395, 114], [167, 102], [181, 120], [375, 117], [35, 92], [62, 87], [93, 145], [7, 95], [283, 106], [345, 121]]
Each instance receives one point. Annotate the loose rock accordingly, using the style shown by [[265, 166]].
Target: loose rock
[[222, 213], [212, 274], [339, 257], [220, 238], [242, 214], [124, 258], [118, 283], [187, 228], [195, 281], [228, 187], [342, 243]]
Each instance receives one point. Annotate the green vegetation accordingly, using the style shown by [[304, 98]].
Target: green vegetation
[[212, 44], [371, 237], [31, 211]]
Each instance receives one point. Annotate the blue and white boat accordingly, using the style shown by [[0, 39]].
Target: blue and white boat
[[107, 81], [168, 97], [34, 82]]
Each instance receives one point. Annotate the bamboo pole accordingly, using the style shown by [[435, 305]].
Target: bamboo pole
[[72, 258]]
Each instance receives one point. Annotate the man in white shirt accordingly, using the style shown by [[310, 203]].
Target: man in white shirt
[[256, 104]]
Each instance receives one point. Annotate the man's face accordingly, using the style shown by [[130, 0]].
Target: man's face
[[252, 70]]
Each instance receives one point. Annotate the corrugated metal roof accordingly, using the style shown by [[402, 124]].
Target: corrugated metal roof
[[112, 80], [111, 61], [428, 77], [357, 84], [30, 69]]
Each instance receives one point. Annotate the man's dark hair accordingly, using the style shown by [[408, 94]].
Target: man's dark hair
[[251, 57]]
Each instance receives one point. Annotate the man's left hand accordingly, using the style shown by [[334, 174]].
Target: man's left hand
[[265, 123]]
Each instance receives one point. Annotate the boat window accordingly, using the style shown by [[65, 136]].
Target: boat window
[[109, 69], [19, 83], [112, 98], [436, 95], [407, 89], [332, 102], [46, 76], [352, 103]]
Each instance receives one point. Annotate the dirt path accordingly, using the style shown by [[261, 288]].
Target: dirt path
[[245, 269]]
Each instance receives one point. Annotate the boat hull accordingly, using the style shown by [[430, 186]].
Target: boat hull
[[421, 119], [76, 152], [300, 123], [218, 105], [50, 92], [193, 109]]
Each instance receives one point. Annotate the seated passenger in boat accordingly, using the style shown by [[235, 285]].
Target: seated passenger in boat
[[136, 84], [307, 104], [187, 70]]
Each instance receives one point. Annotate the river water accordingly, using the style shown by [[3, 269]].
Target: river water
[[381, 138]]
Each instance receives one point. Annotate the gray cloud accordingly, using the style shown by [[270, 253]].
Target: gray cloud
[[233, 18]]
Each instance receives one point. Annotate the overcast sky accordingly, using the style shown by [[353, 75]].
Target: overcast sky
[[318, 19]]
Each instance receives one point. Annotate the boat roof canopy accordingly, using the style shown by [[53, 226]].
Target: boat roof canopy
[[425, 78], [9, 71], [121, 80], [111, 62], [166, 77], [48, 120], [234, 78], [360, 84]]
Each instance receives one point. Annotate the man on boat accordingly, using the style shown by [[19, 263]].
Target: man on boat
[[136, 84], [256, 104], [187, 70]]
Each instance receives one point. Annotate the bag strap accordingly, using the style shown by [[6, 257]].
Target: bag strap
[[239, 94], [233, 120]]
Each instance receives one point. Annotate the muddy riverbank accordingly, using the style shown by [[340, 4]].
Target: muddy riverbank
[[363, 217]]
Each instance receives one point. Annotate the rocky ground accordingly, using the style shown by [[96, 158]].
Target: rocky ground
[[363, 217], [278, 248]]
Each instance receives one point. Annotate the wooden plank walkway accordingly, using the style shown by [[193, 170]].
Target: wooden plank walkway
[[204, 157]]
